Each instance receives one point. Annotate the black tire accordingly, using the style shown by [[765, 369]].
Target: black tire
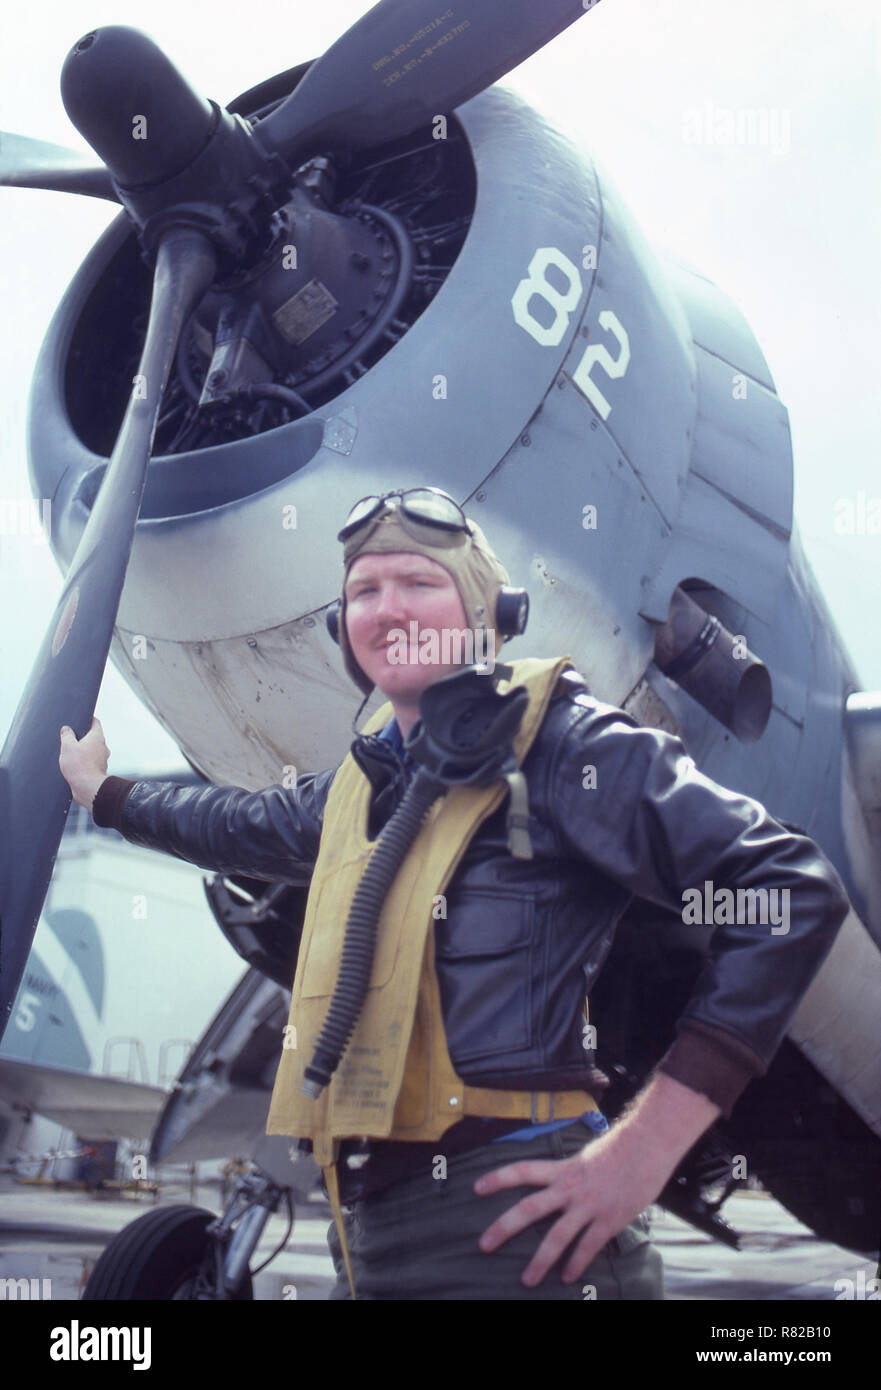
[[157, 1257]]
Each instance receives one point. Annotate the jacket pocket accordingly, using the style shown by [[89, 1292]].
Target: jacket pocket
[[483, 957]]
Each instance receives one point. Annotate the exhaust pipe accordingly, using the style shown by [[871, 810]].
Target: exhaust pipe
[[714, 667]]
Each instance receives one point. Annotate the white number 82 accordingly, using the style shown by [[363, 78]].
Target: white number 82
[[563, 303]]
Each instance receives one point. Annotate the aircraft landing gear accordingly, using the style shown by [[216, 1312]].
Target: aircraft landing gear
[[184, 1252], [163, 1255], [187, 1253]]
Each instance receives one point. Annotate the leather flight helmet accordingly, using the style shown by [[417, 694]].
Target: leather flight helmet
[[481, 579]]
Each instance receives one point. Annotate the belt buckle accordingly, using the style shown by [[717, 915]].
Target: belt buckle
[[533, 1113]]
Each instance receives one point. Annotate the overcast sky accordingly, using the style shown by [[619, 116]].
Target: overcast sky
[[789, 225]]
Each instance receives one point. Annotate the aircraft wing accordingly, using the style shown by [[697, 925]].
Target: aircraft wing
[[94, 1107]]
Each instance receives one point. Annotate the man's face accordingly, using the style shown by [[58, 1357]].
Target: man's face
[[385, 593]]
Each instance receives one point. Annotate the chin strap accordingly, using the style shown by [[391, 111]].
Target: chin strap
[[360, 711]]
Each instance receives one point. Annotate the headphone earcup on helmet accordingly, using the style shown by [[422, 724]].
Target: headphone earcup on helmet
[[332, 619], [512, 611]]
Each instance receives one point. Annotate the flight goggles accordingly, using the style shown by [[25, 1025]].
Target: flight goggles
[[417, 507]]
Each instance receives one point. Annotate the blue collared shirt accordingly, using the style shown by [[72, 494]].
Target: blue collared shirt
[[392, 734]]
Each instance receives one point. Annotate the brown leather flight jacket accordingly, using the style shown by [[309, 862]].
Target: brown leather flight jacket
[[522, 937]]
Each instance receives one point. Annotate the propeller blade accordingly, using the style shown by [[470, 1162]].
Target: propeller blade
[[64, 684], [402, 64], [27, 163]]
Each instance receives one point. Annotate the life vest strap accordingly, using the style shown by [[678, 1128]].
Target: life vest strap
[[540, 1107], [332, 1183]]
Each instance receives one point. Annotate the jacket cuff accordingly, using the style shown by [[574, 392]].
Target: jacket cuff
[[711, 1061], [109, 801]]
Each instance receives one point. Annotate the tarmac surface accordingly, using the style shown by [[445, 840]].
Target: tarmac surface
[[59, 1233]]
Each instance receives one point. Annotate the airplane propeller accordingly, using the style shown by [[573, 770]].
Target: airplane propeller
[[64, 684], [201, 186], [401, 64], [27, 163]]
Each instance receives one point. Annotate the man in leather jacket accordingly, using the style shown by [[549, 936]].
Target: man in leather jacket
[[513, 949]]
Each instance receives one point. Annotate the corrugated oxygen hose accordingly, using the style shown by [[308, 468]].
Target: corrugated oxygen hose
[[360, 939]]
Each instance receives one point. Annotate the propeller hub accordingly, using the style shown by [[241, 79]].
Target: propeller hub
[[175, 158], [133, 105]]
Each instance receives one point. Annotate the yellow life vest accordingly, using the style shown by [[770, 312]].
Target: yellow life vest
[[395, 1079]]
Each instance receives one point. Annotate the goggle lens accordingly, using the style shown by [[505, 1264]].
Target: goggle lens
[[427, 505]]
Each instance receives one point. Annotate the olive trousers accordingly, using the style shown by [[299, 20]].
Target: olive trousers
[[418, 1238]]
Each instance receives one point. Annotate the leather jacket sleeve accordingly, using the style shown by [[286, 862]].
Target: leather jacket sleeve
[[270, 834], [656, 825]]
